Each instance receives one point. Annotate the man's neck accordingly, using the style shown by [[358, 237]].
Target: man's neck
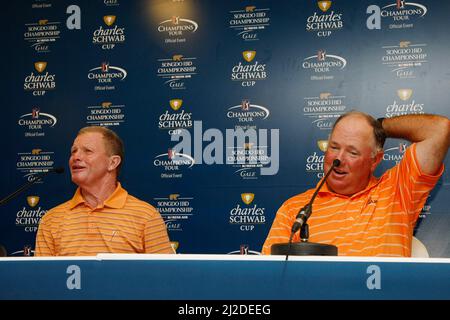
[[96, 195]]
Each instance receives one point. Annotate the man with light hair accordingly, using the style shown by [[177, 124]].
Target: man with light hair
[[358, 213], [101, 217]]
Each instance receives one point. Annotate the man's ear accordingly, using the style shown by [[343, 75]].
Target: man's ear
[[114, 162]]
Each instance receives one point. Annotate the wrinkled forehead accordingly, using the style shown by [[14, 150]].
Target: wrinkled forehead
[[93, 139], [354, 128]]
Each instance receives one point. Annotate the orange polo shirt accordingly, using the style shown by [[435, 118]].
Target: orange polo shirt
[[124, 224], [378, 221]]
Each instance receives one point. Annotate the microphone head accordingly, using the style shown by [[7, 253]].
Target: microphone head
[[336, 162], [58, 170]]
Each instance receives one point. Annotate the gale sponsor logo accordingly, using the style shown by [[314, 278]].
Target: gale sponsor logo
[[41, 83], [322, 64], [177, 70], [249, 215], [249, 22], [35, 122], [399, 15], [106, 114], [110, 36], [175, 210], [172, 163], [41, 34], [325, 23], [405, 106], [36, 161], [247, 113], [176, 28], [395, 154], [403, 59], [29, 217], [248, 73], [106, 75], [324, 109], [314, 162]]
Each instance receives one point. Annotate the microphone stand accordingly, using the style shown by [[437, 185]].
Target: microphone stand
[[305, 248], [28, 185]]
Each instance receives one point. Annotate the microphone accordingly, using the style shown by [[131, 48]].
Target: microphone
[[306, 211], [37, 178]]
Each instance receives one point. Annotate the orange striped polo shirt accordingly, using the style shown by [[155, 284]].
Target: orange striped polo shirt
[[377, 221], [124, 224]]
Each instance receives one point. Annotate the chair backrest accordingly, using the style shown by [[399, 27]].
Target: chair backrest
[[418, 249]]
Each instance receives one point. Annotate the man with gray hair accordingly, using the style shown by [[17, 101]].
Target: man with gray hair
[[360, 214]]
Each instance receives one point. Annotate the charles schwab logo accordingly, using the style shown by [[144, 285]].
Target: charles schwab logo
[[109, 37], [323, 64], [324, 24], [406, 105], [248, 215], [105, 75], [400, 15], [40, 83], [35, 122], [175, 120], [250, 72], [176, 28], [314, 162], [29, 217]]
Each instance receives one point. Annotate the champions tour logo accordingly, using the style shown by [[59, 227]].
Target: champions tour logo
[[248, 73], [106, 114], [108, 38], [322, 64], [404, 58], [249, 22], [249, 215], [36, 161], [105, 75], [400, 15], [177, 70], [40, 83], [41, 34], [324, 109], [405, 106], [173, 162], [174, 121], [176, 28], [35, 122], [29, 216], [395, 154], [247, 113], [175, 210], [324, 24]]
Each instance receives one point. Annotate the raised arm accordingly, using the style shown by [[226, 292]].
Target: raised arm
[[430, 132]]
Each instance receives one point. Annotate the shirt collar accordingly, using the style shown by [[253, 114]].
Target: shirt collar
[[116, 200], [324, 191]]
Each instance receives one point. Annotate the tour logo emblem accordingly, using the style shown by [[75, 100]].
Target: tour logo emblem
[[323, 65], [106, 76], [36, 121], [177, 29], [173, 163], [398, 15]]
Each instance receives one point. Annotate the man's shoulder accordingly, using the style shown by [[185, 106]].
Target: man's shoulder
[[139, 204], [299, 199]]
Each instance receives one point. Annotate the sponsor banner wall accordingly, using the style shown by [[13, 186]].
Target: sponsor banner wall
[[225, 107]]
